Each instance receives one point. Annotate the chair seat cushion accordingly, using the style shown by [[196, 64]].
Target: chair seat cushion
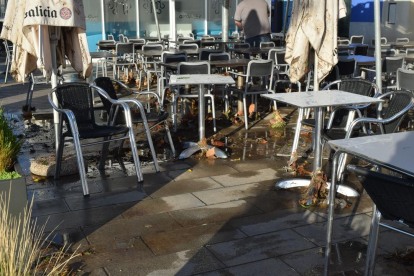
[[95, 131]]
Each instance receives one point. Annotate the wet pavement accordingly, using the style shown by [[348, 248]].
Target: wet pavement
[[197, 216]]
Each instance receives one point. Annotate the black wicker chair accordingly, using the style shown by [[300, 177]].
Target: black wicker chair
[[393, 200], [156, 117], [398, 105], [75, 103]]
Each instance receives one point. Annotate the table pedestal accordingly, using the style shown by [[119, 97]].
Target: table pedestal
[[191, 147], [292, 183]]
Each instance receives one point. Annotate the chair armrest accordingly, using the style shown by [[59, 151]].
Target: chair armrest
[[377, 121], [350, 108], [367, 69]]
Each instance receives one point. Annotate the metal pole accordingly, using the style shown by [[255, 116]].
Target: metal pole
[[154, 9], [378, 61], [173, 27], [286, 17], [54, 36], [225, 20]]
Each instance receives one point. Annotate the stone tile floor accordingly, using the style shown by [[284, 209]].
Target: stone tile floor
[[207, 217]]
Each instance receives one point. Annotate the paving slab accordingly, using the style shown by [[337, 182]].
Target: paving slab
[[125, 229], [245, 177], [277, 200], [74, 237], [275, 221], [200, 170], [268, 267], [130, 182], [252, 165], [157, 190], [115, 252], [191, 237], [235, 193], [343, 229], [59, 189], [79, 218], [182, 263], [385, 266], [310, 262], [105, 199], [48, 207], [393, 241], [163, 204], [214, 213], [259, 247], [166, 167]]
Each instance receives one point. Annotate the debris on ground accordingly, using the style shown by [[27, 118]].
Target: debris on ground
[[277, 121], [316, 190]]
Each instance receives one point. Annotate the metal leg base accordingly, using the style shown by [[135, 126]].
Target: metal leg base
[[192, 147], [293, 183]]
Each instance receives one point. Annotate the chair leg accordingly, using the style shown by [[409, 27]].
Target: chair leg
[[29, 103], [372, 243], [7, 70], [167, 130], [81, 164], [246, 123], [134, 150], [297, 134], [213, 111], [104, 153], [151, 144], [174, 108]]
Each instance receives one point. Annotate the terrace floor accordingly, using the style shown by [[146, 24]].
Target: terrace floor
[[202, 216]]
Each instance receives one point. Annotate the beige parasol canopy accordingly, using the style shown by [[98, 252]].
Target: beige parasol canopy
[[28, 21], [313, 23]]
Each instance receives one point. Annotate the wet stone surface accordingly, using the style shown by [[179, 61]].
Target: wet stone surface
[[197, 216]]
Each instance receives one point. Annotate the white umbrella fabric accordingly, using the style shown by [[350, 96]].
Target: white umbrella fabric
[[28, 24], [313, 23]]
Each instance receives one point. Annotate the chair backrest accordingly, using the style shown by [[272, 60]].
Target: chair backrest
[[184, 47], [403, 40], [393, 196], [194, 41], [8, 49], [346, 67], [269, 44], [405, 79], [208, 39], [137, 40], [280, 58], [333, 75], [111, 37], [106, 84], [219, 56], [153, 47], [174, 56], [241, 45], [392, 64], [126, 39], [155, 43], [388, 52], [181, 39], [121, 37], [357, 39], [124, 48], [193, 68], [343, 53], [343, 42], [78, 98], [205, 53], [260, 68], [361, 50], [399, 101], [409, 51], [383, 41]]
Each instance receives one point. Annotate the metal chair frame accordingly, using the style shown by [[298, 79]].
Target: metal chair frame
[[71, 119], [249, 80], [357, 39]]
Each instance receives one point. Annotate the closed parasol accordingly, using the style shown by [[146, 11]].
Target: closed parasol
[[28, 24]]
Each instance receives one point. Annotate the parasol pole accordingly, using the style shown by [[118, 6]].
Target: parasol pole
[[54, 33], [318, 115], [225, 20], [378, 60], [286, 16], [154, 9]]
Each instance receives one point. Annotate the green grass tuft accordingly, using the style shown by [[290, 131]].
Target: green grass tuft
[[9, 175]]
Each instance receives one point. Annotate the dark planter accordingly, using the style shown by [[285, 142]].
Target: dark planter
[[16, 188]]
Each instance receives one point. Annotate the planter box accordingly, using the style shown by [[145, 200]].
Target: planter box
[[18, 190]]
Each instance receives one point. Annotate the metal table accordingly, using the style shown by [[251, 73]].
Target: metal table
[[159, 53], [391, 151], [361, 60], [201, 80], [102, 55], [255, 50], [317, 100], [243, 62]]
